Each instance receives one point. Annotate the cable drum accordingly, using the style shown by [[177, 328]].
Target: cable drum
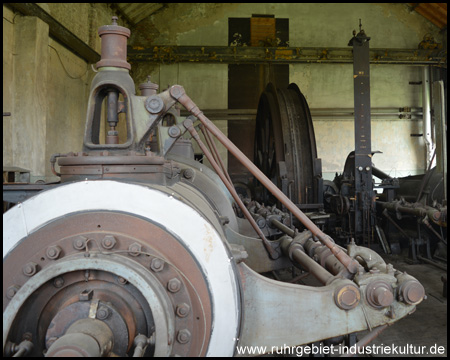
[[284, 132]]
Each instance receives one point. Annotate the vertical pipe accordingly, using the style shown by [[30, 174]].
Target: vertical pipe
[[426, 109]]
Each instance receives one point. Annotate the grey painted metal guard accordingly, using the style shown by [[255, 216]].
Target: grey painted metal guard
[[278, 314]]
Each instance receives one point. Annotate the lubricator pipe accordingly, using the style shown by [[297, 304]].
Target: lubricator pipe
[[190, 127], [178, 93]]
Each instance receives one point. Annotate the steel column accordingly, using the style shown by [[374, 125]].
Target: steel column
[[363, 151]]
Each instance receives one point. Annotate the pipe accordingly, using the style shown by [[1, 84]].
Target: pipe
[[433, 214], [178, 93], [294, 250], [190, 127], [427, 113], [431, 262], [380, 174], [213, 147], [280, 226], [366, 340]]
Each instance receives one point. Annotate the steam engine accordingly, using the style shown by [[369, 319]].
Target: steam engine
[[140, 250]]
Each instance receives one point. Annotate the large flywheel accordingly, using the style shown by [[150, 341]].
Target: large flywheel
[[285, 144]]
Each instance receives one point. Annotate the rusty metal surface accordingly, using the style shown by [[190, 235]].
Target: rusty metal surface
[[280, 55], [123, 299], [114, 45]]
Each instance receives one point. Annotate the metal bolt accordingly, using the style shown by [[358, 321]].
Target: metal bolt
[[174, 131], [58, 282], [154, 104], [347, 297], [183, 336], [176, 91], [11, 291], [360, 168], [30, 269], [134, 249], [109, 242], [367, 168], [103, 313], [53, 252], [188, 173], [183, 310], [79, 243], [174, 285], [157, 264], [121, 280]]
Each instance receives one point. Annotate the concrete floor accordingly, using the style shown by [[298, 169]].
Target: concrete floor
[[427, 326]]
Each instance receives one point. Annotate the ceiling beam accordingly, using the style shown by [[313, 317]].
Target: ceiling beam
[[287, 55], [58, 31]]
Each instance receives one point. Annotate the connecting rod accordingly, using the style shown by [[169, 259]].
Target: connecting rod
[[178, 93]]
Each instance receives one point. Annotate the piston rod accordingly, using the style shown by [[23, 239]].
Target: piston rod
[[178, 93]]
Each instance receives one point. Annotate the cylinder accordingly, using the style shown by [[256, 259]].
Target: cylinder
[[114, 45], [113, 98]]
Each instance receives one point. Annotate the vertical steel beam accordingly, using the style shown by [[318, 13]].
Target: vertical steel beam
[[363, 151]]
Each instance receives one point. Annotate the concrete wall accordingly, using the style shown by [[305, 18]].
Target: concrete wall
[[45, 86], [324, 85]]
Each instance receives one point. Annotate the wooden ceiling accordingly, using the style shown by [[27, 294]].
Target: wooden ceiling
[[136, 12], [133, 13], [435, 12]]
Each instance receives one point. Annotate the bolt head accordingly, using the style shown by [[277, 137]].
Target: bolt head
[[347, 297], [188, 173], [135, 249], [109, 242], [183, 336], [11, 291], [183, 310], [103, 313], [157, 264], [53, 252], [30, 269], [58, 282], [174, 285], [121, 280], [154, 104], [79, 243]]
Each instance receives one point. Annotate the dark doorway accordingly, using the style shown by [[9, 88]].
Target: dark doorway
[[247, 82]]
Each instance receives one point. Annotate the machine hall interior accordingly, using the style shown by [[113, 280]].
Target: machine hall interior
[[224, 179]]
